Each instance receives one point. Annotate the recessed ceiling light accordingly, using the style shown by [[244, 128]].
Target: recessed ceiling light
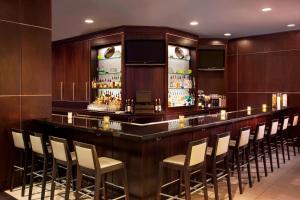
[[266, 9], [194, 23], [291, 25], [89, 21], [227, 34]]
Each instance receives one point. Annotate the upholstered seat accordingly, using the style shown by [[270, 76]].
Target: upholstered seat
[[106, 162], [176, 160]]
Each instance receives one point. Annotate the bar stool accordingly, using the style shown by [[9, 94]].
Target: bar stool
[[39, 151], [91, 166], [240, 147], [193, 162], [62, 158], [282, 137], [292, 137], [219, 155], [257, 141], [21, 145], [272, 142]]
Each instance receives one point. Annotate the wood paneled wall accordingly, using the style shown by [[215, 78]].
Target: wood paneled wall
[[25, 69], [261, 65]]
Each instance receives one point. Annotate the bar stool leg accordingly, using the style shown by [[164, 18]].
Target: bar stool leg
[[270, 153], [226, 161], [294, 147], [256, 161], [24, 175], [54, 174], [97, 186], [180, 182], [277, 154], [215, 181], [264, 159], [203, 177], [288, 151], [248, 167], [126, 191], [78, 184], [104, 178], [44, 179], [187, 185], [68, 183], [31, 177], [160, 179], [282, 148], [239, 171]]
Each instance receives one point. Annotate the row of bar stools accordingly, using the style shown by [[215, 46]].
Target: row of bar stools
[[62, 158], [240, 147], [89, 165], [40, 150], [193, 162], [21, 145]]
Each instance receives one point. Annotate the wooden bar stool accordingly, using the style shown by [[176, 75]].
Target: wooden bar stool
[[193, 162], [239, 148], [91, 166], [272, 142], [282, 137], [218, 154], [39, 151], [62, 158], [292, 136], [257, 141], [21, 145]]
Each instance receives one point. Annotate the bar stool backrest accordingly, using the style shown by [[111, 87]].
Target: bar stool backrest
[[295, 120], [86, 156], [60, 149], [196, 152], [274, 127], [222, 144], [18, 138], [260, 131], [285, 123], [38, 144], [244, 137]]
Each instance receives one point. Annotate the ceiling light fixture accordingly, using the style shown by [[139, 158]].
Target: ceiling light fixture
[[194, 23], [291, 25], [227, 34], [266, 9], [89, 21]]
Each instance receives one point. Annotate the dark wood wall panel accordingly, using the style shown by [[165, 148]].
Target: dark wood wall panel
[[36, 62], [261, 65], [25, 70], [10, 50], [211, 82], [145, 78]]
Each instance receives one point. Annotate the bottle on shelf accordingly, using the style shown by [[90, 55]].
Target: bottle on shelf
[[159, 105], [131, 106], [156, 106]]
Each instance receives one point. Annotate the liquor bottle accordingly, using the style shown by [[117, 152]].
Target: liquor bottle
[[155, 106], [159, 105], [131, 106], [126, 106]]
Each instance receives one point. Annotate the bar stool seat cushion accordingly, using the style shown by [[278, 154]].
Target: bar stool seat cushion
[[177, 160], [232, 143], [109, 164]]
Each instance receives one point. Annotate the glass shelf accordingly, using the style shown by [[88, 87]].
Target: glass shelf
[[114, 58], [184, 74], [107, 88], [183, 59], [180, 88], [108, 73]]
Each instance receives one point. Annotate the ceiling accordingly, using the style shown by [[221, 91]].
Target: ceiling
[[215, 17]]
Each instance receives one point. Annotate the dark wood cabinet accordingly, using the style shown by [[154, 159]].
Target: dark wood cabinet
[[71, 71]]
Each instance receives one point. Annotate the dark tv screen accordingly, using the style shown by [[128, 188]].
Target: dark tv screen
[[145, 51], [211, 59]]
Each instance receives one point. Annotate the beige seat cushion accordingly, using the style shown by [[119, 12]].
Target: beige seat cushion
[[177, 160], [106, 162], [232, 143]]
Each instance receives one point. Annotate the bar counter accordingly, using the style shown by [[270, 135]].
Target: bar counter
[[142, 146]]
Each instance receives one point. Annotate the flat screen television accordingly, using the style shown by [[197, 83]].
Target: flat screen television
[[211, 59], [145, 52]]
